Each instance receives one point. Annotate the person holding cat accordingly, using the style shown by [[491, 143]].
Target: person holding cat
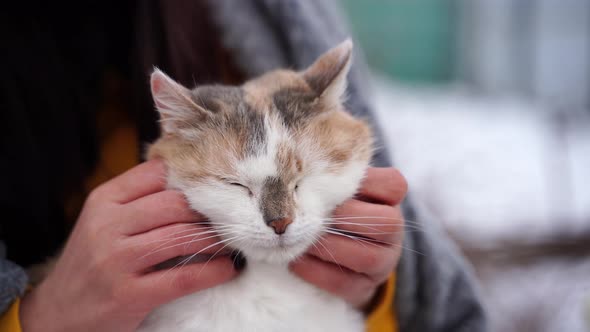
[[104, 279]]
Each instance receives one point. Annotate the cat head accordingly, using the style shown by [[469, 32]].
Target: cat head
[[267, 161]]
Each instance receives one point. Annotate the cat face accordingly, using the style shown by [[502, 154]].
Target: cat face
[[268, 161]]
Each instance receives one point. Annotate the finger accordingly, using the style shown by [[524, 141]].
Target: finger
[[166, 285], [361, 256], [383, 185], [380, 222], [157, 210], [143, 179], [354, 288], [159, 245]]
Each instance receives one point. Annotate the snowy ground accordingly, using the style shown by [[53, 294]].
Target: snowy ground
[[507, 179]]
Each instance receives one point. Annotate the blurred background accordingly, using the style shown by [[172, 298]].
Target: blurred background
[[486, 105]]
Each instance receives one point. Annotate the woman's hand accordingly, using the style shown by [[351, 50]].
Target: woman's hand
[[104, 280], [354, 264]]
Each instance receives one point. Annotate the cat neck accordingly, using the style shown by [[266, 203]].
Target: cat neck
[[252, 263], [263, 270]]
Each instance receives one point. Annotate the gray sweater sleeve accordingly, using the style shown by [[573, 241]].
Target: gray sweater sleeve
[[435, 289], [13, 280]]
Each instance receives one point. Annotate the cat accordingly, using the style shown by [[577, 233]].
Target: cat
[[268, 161]]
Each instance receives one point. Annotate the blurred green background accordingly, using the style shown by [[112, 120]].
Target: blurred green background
[[411, 40]]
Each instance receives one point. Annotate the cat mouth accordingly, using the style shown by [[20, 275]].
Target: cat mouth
[[280, 244], [283, 242]]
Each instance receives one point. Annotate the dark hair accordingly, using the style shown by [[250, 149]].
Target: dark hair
[[54, 60]]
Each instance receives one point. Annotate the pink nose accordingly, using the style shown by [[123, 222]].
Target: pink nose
[[280, 225]]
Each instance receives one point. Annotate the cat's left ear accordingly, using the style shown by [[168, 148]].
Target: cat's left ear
[[327, 75]]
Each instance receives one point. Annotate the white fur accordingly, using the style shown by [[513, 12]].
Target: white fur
[[266, 296]]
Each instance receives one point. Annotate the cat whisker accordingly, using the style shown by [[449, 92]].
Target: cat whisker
[[373, 226], [356, 237], [235, 256], [344, 222], [377, 243], [164, 247], [396, 222], [376, 232], [330, 253], [365, 217], [189, 258], [182, 224], [171, 237], [365, 226], [314, 245], [184, 243], [209, 230], [228, 231], [187, 243], [215, 254], [377, 217]]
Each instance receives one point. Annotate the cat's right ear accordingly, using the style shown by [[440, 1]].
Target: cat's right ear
[[174, 103], [327, 75]]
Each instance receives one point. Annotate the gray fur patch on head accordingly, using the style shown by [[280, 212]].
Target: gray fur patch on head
[[295, 105], [276, 201], [215, 97], [232, 113], [249, 123]]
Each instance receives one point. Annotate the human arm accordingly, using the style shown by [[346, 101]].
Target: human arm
[[104, 279]]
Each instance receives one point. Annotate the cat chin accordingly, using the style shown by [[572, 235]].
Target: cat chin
[[275, 256]]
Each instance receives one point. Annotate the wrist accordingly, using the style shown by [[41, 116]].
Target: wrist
[[27, 311], [36, 315]]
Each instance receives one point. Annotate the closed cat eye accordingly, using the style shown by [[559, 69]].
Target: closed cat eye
[[232, 182], [237, 184]]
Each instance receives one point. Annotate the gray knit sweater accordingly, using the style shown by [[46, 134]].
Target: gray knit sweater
[[435, 289]]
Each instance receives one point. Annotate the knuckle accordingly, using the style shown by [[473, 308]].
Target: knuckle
[[402, 181], [396, 184], [121, 292], [178, 202], [185, 282], [96, 195], [370, 262], [340, 285], [101, 260], [385, 266], [226, 272], [378, 263], [394, 222], [390, 177], [175, 204]]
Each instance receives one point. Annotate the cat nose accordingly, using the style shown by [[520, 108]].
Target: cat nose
[[280, 225]]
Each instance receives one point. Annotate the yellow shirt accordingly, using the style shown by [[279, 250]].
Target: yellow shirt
[[9, 321], [118, 153]]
